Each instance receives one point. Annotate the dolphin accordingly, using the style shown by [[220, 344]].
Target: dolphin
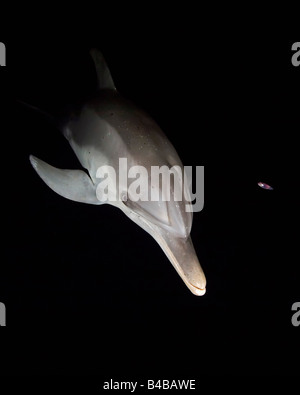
[[108, 127]]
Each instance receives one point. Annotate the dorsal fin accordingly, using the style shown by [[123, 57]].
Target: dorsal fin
[[104, 78]]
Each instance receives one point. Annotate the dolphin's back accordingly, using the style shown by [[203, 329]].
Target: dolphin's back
[[109, 126]]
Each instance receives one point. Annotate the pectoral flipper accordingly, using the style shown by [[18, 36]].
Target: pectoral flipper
[[72, 184]]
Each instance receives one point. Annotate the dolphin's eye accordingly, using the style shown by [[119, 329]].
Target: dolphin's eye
[[123, 196]]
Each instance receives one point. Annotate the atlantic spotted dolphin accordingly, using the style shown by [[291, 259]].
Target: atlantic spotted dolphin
[[109, 127]]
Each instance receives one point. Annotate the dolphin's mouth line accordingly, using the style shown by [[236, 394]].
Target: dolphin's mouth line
[[194, 289], [195, 286]]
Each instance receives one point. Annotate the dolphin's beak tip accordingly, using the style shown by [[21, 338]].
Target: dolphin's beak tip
[[199, 291]]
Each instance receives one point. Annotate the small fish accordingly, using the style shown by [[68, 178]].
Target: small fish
[[265, 186]]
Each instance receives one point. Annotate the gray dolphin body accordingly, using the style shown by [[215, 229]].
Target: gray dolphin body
[[107, 128]]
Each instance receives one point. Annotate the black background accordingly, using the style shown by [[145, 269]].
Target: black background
[[87, 292]]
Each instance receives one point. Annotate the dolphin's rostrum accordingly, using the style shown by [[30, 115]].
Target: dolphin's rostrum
[[109, 127]]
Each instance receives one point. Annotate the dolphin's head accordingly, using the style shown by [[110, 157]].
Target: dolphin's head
[[169, 223]]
